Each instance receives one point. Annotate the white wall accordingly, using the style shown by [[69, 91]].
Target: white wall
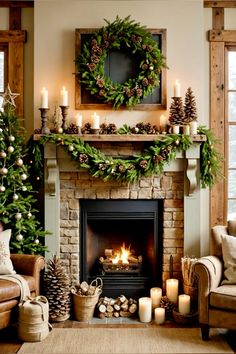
[[55, 23], [4, 22]]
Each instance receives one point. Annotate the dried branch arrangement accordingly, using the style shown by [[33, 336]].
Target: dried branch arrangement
[[187, 264]]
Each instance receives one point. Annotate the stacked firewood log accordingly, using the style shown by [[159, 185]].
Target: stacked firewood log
[[119, 307]]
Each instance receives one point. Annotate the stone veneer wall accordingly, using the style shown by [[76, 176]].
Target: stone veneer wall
[[76, 185]]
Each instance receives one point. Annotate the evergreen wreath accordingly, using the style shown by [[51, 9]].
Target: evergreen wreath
[[151, 161], [116, 35]]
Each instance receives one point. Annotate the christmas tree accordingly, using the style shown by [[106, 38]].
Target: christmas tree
[[176, 111], [190, 109], [17, 211]]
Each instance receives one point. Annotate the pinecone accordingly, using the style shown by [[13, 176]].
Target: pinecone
[[150, 129], [83, 158], [103, 128], [57, 290], [143, 164], [37, 131], [121, 168], [87, 129], [111, 129], [190, 109], [176, 111], [72, 129], [167, 305]]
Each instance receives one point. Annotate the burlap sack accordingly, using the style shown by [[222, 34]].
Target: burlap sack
[[33, 325]]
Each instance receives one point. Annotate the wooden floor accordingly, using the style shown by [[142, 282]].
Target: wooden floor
[[10, 344]]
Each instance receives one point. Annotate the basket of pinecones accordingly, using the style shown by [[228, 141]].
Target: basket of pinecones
[[85, 297]]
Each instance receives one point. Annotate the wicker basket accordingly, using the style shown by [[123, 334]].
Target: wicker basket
[[191, 318], [84, 305]]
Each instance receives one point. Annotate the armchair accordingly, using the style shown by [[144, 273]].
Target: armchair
[[216, 302]]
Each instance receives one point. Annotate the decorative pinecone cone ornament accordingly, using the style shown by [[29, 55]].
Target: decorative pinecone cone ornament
[[190, 109], [72, 129], [176, 111], [150, 129], [103, 128], [143, 164], [37, 131], [167, 305], [83, 158], [57, 290], [87, 129], [111, 129]]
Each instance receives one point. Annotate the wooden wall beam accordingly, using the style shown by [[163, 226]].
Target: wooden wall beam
[[12, 36], [25, 3], [222, 35], [217, 205], [220, 3], [15, 18], [16, 73], [218, 21]]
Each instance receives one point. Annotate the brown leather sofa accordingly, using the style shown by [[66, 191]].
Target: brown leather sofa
[[29, 266], [216, 302]]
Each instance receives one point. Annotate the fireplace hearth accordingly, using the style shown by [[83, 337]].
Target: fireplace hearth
[[107, 224]]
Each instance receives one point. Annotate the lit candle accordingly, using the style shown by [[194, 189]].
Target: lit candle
[[156, 294], [95, 121], [159, 315], [79, 120], [184, 304], [145, 309], [187, 129], [172, 289], [177, 89], [163, 123], [44, 98], [193, 127], [175, 129], [64, 97]]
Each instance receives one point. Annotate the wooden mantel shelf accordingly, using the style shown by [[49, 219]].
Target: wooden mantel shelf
[[123, 137]]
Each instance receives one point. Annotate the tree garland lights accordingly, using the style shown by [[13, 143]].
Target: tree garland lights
[[115, 36], [151, 161]]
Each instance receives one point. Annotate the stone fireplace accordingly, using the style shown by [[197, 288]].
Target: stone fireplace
[[176, 191]]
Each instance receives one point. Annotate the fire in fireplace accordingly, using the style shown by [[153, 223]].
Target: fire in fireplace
[[105, 226], [123, 260]]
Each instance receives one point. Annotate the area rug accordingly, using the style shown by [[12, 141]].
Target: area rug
[[126, 340]]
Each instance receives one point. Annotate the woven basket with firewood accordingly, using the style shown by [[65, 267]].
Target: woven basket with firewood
[[85, 297]]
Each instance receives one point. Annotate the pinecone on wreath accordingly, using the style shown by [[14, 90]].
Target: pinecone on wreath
[[57, 290], [190, 109], [176, 111], [167, 305]]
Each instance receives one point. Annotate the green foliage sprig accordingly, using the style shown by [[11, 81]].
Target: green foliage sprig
[[151, 161], [210, 159], [115, 36]]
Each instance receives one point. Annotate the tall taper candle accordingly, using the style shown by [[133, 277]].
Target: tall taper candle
[[44, 98], [177, 89], [64, 97]]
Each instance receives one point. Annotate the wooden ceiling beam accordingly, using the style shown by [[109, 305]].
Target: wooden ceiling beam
[[25, 3]]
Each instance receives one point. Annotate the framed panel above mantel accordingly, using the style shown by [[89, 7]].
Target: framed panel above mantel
[[84, 100]]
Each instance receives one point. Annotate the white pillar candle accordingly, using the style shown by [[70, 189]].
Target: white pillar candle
[[163, 123], [145, 309], [177, 89], [44, 98], [193, 127], [172, 289], [79, 120], [156, 294], [184, 304], [187, 129], [64, 97], [159, 315], [175, 129], [95, 121]]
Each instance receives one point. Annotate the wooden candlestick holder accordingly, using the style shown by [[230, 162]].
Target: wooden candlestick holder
[[64, 113], [44, 128]]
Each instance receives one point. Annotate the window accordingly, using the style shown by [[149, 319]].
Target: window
[[3, 67], [231, 131]]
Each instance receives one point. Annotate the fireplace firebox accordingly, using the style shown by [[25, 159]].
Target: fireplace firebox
[[106, 225]]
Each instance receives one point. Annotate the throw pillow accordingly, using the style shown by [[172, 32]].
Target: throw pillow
[[6, 266], [229, 257]]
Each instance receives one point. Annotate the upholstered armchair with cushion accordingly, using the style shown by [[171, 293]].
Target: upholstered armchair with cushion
[[217, 281]]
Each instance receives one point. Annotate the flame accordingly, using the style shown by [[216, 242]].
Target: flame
[[122, 255]]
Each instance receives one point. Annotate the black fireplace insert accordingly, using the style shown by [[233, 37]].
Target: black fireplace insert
[[106, 225]]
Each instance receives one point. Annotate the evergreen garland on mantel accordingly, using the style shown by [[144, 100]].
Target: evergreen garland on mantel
[[151, 161]]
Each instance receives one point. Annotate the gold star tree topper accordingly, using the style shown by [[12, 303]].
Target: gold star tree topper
[[9, 97]]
